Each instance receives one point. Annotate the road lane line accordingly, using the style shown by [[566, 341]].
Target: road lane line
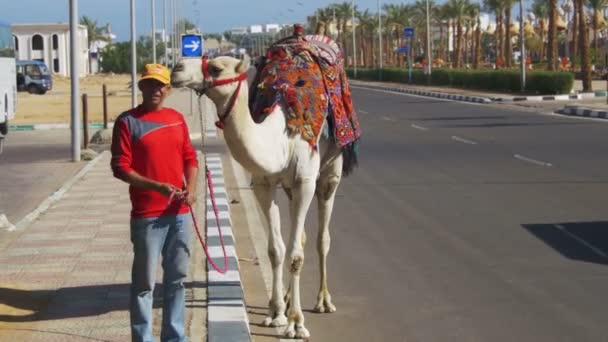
[[533, 161], [363, 112], [386, 118], [419, 127], [438, 99], [581, 241], [463, 140]]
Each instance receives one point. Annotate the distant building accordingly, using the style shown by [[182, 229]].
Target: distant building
[[239, 31], [256, 29], [50, 43]]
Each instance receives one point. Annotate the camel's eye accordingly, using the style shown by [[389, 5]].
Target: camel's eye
[[214, 71]]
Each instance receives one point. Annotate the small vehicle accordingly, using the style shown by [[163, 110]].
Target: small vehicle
[[33, 76]]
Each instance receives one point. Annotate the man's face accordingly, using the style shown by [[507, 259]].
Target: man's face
[[153, 91]]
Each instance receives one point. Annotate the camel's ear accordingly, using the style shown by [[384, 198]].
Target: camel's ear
[[243, 65]]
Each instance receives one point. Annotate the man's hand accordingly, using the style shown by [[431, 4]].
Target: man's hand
[[190, 197], [166, 189]]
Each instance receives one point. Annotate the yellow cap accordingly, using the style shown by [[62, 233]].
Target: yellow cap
[[157, 72]]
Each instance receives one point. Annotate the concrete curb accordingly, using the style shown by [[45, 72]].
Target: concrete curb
[[461, 98], [226, 314], [37, 127], [565, 97], [584, 112]]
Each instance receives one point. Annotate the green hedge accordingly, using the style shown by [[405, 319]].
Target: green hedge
[[537, 82]]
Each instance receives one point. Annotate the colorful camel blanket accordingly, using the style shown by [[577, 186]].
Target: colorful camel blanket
[[306, 75]]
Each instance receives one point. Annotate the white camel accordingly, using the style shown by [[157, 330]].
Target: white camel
[[274, 156]]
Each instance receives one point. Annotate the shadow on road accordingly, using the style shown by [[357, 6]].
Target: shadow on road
[[73, 302], [582, 241]]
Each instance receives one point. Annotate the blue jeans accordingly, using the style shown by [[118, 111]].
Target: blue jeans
[[151, 236]]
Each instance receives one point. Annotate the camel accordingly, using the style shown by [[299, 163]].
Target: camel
[[274, 156]]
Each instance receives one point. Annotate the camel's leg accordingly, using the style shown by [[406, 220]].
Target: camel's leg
[[265, 193], [327, 185], [303, 193]]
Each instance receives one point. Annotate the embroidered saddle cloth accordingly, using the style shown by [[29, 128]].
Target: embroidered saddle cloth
[[306, 75]]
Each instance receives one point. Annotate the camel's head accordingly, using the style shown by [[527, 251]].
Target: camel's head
[[189, 73]]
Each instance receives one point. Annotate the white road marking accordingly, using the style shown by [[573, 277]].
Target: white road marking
[[533, 161], [363, 112], [419, 127], [386, 118], [463, 140], [581, 241]]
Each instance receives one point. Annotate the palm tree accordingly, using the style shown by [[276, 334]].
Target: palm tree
[[575, 24], [368, 27], [397, 16], [443, 18], [508, 50], [496, 7], [540, 9], [94, 33], [596, 7], [584, 47], [344, 15], [476, 11], [552, 58], [458, 10]]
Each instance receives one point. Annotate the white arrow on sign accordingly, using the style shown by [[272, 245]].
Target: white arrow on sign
[[194, 45]]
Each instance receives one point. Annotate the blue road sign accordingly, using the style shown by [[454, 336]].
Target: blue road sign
[[192, 45], [403, 49], [408, 32]]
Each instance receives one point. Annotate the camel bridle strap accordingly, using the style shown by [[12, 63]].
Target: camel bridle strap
[[215, 83]]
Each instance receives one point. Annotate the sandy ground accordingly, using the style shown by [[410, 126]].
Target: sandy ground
[[54, 106]]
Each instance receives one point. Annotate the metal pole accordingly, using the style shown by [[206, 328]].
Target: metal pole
[[354, 39], [522, 45], [429, 57], [74, 80], [85, 121], [380, 41], [133, 58], [165, 32], [104, 91], [154, 31]]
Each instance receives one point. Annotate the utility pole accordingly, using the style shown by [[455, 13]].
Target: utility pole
[[74, 80], [133, 58], [153, 31]]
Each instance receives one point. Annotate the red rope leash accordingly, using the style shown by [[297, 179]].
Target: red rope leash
[[217, 220]]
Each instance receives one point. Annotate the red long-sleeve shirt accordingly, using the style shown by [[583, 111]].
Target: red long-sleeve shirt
[[157, 146]]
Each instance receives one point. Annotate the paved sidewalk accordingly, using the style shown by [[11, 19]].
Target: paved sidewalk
[[66, 276]]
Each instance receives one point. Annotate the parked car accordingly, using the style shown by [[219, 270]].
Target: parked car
[[33, 76]]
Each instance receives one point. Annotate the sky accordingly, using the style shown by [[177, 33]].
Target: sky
[[210, 16]]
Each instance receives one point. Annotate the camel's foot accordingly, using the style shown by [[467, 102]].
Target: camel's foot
[[296, 330], [278, 320], [324, 304]]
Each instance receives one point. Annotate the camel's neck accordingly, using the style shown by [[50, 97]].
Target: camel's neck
[[261, 148]]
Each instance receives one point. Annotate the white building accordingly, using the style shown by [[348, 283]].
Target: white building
[[272, 28], [256, 29], [50, 43]]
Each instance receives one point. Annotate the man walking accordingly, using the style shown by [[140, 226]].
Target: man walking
[[152, 152]]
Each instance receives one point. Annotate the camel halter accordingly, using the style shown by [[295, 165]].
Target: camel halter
[[212, 84]]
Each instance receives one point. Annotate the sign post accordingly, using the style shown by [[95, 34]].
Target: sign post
[[409, 33], [192, 45]]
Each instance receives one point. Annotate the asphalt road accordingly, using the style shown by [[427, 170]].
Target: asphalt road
[[463, 223]]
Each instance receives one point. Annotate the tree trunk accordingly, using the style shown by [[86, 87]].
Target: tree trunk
[[574, 43], [552, 46], [595, 33], [508, 43], [542, 40], [440, 47], [477, 46], [458, 43], [584, 47], [498, 34]]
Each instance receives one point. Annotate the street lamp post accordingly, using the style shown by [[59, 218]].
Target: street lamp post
[[428, 39], [153, 31], [165, 32], [74, 80], [379, 42], [522, 46], [354, 39], [133, 58]]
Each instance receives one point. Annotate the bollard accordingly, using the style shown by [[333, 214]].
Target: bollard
[[105, 106], [85, 120]]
